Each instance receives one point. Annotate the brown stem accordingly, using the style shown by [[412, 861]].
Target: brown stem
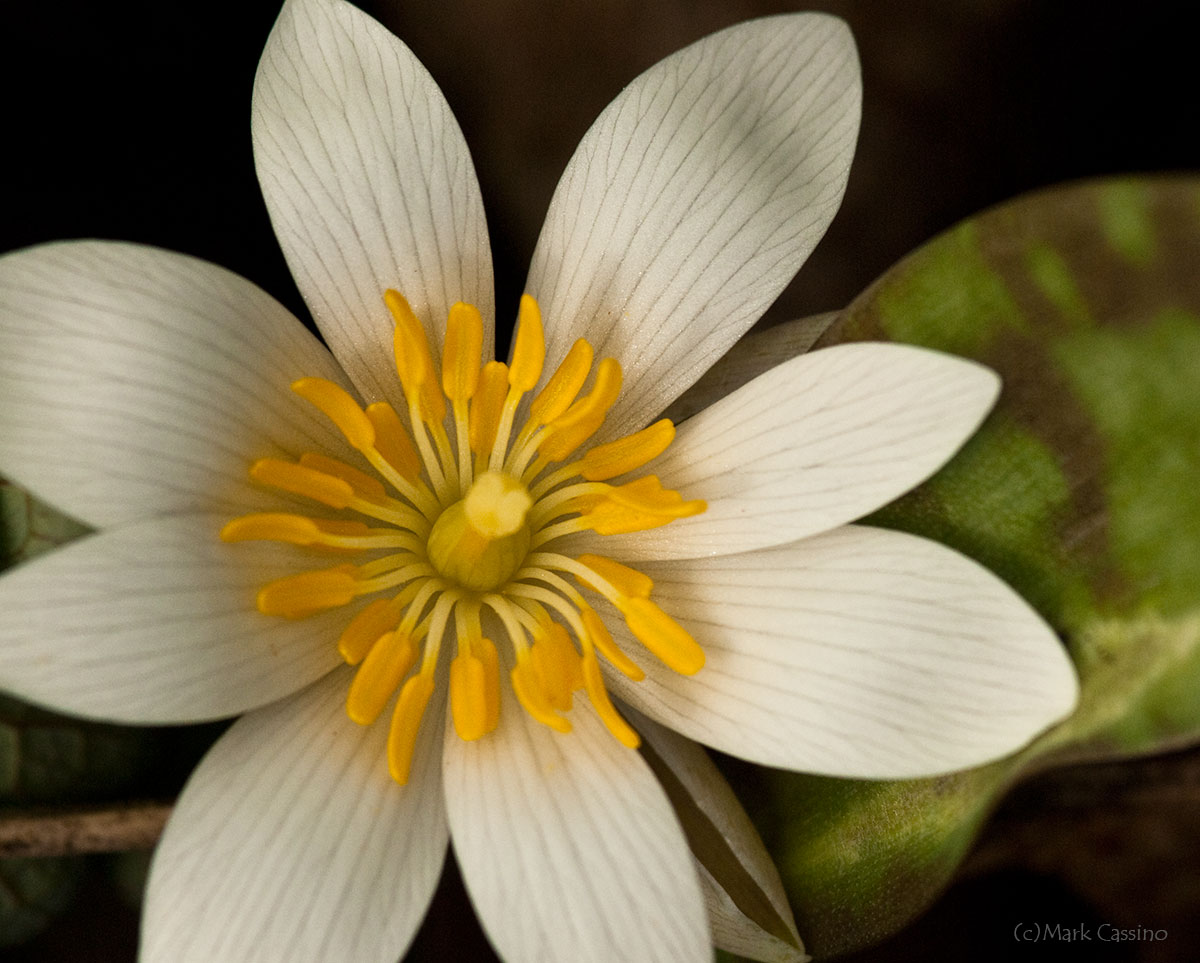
[[93, 829]]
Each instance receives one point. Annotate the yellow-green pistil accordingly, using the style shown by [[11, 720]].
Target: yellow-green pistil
[[457, 527]]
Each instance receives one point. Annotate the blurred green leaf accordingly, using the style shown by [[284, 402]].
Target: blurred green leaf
[[32, 893], [29, 527], [1080, 491]]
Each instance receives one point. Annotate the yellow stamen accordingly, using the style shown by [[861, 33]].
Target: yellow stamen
[[662, 635], [594, 682], [603, 640], [637, 506], [583, 419], [629, 582], [557, 665], [406, 723], [339, 407], [296, 596], [462, 352], [414, 361], [301, 480], [363, 484], [532, 697], [627, 454], [556, 397], [380, 674], [294, 529], [485, 650], [487, 406], [529, 347], [475, 691], [393, 442], [365, 629]]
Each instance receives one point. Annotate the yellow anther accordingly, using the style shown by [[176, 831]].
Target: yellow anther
[[662, 635], [338, 406], [302, 480], [406, 724], [533, 699], [380, 674], [556, 662], [497, 504], [629, 582], [487, 407], [474, 690], [462, 352], [414, 361], [293, 529], [556, 397], [297, 596], [594, 683], [629, 453], [608, 518], [646, 494], [529, 346], [485, 650], [363, 485], [603, 640], [637, 506], [584, 418], [392, 441], [366, 628]]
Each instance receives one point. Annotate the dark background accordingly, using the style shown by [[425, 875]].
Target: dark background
[[130, 120]]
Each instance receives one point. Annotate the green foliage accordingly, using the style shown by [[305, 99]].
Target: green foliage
[[1079, 490]]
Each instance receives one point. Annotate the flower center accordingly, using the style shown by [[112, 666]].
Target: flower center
[[481, 540], [454, 516]]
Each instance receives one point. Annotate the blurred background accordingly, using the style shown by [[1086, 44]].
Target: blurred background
[[130, 119]]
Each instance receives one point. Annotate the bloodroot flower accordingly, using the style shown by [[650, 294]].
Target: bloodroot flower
[[423, 576]]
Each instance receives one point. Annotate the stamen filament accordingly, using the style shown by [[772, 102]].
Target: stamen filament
[[598, 695], [599, 634], [432, 464]]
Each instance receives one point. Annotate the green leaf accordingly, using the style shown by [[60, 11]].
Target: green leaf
[[1080, 490], [32, 893], [29, 527]]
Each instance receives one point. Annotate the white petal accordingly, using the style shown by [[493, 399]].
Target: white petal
[[568, 846], [136, 382], [753, 355], [860, 652], [291, 842], [748, 911], [368, 182], [156, 623], [694, 199], [814, 443]]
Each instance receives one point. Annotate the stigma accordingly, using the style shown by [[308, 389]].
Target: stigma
[[448, 523]]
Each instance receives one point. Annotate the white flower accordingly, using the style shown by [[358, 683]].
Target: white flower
[[137, 387]]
